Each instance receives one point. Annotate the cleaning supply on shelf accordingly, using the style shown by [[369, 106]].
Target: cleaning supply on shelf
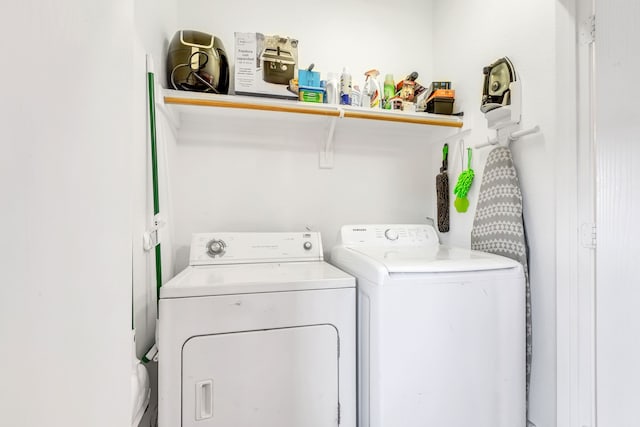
[[442, 191], [345, 87], [311, 94], [356, 96], [389, 91], [332, 89], [463, 185], [309, 88], [371, 90], [308, 77]]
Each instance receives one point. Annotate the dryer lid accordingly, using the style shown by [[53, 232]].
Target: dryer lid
[[232, 279], [441, 259]]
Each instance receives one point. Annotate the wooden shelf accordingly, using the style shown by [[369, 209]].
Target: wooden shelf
[[194, 110], [173, 97]]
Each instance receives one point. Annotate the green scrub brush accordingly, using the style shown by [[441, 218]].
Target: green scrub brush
[[462, 187]]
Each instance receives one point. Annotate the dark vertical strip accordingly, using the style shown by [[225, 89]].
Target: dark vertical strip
[[154, 169], [154, 151]]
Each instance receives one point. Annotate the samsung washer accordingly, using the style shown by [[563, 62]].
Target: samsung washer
[[441, 331], [257, 331]]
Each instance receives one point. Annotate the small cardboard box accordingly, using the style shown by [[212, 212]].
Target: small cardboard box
[[265, 65]]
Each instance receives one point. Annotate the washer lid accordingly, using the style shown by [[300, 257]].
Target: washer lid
[[213, 280], [441, 259]]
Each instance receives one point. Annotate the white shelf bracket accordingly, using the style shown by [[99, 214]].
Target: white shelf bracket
[[326, 152]]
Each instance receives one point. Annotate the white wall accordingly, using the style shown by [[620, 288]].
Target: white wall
[[472, 35], [268, 178], [155, 23], [272, 181], [260, 172], [359, 34], [65, 299], [618, 152]]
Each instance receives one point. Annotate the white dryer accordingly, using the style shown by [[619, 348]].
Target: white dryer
[[441, 331], [257, 331]]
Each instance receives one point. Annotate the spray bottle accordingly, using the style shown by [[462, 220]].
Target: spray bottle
[[371, 91]]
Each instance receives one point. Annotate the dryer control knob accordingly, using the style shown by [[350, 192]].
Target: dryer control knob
[[307, 246], [391, 234], [216, 248]]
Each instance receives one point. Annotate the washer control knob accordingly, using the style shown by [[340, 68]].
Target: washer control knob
[[216, 247], [307, 246], [391, 234]]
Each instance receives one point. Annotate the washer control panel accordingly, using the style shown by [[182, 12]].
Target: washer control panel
[[419, 235], [391, 234], [239, 248], [216, 247]]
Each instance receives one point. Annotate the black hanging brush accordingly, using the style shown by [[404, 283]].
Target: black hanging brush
[[442, 191]]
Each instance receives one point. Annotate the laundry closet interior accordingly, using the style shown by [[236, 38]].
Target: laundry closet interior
[[243, 170]]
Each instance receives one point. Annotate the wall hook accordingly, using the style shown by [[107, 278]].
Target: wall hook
[[513, 136]]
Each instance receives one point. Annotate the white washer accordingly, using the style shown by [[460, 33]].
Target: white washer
[[441, 331], [257, 331]]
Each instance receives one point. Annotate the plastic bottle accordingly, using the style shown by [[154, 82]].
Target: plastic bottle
[[389, 90], [356, 96], [345, 87], [332, 88]]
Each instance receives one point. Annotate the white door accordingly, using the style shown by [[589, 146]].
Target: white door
[[270, 378], [618, 210]]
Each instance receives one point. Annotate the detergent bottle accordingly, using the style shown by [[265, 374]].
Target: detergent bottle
[[332, 89]]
